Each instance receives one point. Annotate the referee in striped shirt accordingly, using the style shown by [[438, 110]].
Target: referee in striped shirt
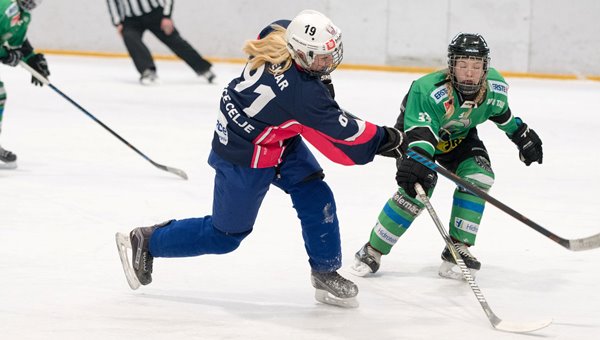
[[133, 17]]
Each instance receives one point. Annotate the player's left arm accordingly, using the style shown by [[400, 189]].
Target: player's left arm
[[526, 139]]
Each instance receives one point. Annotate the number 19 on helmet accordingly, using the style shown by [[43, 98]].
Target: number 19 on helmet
[[315, 43]]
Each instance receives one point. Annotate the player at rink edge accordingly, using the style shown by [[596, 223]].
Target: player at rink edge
[[265, 115], [14, 48]]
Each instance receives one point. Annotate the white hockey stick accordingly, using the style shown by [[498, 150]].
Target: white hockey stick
[[497, 323]]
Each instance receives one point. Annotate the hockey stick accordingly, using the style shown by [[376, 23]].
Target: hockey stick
[[579, 244], [45, 81], [496, 322]]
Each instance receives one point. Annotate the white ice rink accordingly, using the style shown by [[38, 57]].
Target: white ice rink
[[76, 185]]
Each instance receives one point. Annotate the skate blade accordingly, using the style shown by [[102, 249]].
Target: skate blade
[[123, 245], [450, 270], [8, 165], [359, 269], [325, 297]]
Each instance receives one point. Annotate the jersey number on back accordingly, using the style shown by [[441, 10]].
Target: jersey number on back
[[265, 93]]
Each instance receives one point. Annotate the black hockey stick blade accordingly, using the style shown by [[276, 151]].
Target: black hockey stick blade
[[497, 323], [45, 81], [585, 243]]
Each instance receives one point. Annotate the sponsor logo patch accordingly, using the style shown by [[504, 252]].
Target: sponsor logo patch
[[12, 10], [385, 235], [439, 94], [405, 204], [498, 87], [467, 226], [330, 45], [221, 129]]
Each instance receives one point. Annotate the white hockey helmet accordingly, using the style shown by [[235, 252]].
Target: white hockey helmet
[[29, 4], [314, 42]]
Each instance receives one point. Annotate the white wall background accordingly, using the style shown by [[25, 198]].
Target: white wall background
[[539, 36]]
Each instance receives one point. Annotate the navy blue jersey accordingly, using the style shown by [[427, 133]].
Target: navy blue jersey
[[261, 113]]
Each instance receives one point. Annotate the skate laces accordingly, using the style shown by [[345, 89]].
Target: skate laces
[[335, 284], [463, 250], [4, 152]]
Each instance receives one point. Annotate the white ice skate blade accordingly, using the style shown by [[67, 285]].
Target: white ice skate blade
[[325, 297], [359, 269], [450, 270], [8, 165], [123, 245], [150, 82]]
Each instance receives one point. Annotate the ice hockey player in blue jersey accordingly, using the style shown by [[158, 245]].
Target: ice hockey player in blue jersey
[[265, 115]]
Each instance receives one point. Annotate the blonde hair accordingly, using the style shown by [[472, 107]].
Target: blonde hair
[[450, 88], [270, 49]]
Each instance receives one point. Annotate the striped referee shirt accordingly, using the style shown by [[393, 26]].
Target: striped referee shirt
[[121, 9]]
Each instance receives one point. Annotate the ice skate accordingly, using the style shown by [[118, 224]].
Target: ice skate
[[333, 289], [8, 160], [366, 261], [449, 268], [138, 267], [209, 75], [149, 77]]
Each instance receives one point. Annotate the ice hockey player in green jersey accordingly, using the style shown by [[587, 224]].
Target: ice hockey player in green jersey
[[14, 47], [439, 116]]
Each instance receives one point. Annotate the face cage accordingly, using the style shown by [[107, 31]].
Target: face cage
[[465, 88], [28, 4], [337, 54]]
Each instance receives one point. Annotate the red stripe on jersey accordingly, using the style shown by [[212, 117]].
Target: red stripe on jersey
[[269, 146], [327, 144]]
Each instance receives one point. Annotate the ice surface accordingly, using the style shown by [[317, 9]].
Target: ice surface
[[76, 185]]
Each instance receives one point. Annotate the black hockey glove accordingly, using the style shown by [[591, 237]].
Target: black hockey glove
[[326, 80], [12, 57], [393, 143], [410, 172], [38, 62], [529, 144]]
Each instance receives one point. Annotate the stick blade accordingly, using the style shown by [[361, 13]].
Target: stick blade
[[521, 327], [172, 170], [177, 172], [585, 243]]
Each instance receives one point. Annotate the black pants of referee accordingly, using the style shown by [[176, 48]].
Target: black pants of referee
[[133, 30]]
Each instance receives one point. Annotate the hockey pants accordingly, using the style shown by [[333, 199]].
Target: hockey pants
[[238, 194]]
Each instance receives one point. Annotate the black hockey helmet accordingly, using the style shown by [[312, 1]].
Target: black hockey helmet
[[472, 46]]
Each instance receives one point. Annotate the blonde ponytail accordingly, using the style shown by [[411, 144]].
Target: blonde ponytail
[[270, 49]]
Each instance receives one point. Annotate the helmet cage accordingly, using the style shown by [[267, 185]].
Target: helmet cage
[[308, 61], [28, 4], [472, 47], [467, 88], [311, 38]]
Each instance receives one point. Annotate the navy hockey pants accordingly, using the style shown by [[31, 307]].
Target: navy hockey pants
[[238, 194]]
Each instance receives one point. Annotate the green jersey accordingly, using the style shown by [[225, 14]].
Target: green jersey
[[13, 25], [436, 121]]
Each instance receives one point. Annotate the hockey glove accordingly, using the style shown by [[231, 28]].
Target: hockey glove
[[326, 80], [409, 172], [529, 144], [38, 62], [12, 57], [392, 145]]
